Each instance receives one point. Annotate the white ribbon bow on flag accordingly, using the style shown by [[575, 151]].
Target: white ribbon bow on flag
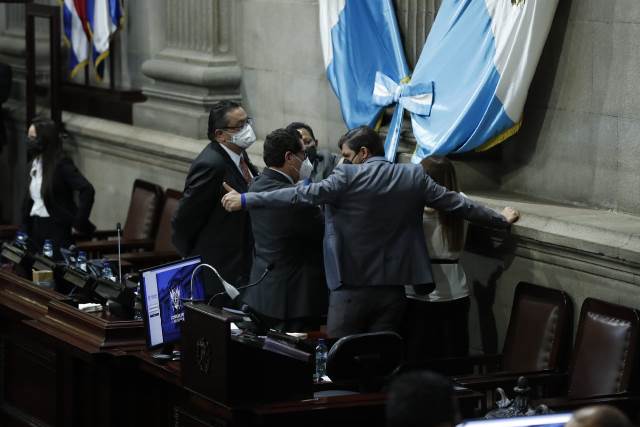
[[417, 98]]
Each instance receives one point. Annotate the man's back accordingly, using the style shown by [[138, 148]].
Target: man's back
[[378, 219]]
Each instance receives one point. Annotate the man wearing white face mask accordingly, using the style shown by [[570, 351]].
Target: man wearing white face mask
[[294, 295], [200, 225]]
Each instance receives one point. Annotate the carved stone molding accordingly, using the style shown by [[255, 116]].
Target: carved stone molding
[[197, 67]]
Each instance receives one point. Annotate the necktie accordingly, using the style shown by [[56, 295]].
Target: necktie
[[244, 168]]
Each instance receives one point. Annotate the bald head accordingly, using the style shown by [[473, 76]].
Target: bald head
[[598, 416]]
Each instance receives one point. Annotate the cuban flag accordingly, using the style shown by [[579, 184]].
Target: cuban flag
[[74, 14], [104, 18], [365, 62], [481, 56]]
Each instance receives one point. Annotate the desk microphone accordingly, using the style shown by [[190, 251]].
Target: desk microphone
[[119, 230], [235, 292]]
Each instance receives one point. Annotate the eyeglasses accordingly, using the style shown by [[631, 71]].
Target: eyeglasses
[[249, 121]]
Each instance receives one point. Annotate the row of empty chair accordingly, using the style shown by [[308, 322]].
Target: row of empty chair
[[146, 234]]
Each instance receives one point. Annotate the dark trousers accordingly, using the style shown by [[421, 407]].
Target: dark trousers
[[437, 329], [365, 309], [47, 228]]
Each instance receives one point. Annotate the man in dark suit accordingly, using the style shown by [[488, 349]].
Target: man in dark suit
[[200, 225], [293, 294], [373, 242], [323, 161]]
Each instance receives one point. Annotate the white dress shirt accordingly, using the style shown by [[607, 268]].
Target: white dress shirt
[[38, 209], [236, 159]]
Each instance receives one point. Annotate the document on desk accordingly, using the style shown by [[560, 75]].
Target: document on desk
[[285, 349]]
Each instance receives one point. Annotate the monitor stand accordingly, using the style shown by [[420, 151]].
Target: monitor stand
[[166, 354]]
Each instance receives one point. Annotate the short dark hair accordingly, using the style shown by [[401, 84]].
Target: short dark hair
[[277, 143], [363, 136], [218, 116], [300, 125], [421, 398]]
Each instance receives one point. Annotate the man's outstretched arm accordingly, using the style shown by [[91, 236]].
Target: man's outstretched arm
[[328, 190]]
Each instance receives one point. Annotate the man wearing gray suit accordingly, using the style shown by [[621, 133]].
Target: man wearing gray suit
[[373, 242]]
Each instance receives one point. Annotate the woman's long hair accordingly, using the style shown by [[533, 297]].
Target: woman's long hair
[[47, 132], [441, 170]]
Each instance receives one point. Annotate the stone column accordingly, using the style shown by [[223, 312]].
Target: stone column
[[197, 67]]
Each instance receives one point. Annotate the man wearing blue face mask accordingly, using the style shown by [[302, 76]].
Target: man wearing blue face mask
[[293, 295], [200, 225]]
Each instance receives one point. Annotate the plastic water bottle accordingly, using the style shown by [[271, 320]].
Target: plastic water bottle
[[137, 305], [81, 261], [321, 360], [107, 273], [47, 248], [21, 239]]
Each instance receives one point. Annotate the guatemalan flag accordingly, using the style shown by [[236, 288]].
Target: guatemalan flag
[[360, 41], [74, 14], [481, 56], [105, 18]]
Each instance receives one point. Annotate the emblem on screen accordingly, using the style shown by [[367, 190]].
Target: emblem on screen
[[203, 355], [175, 299]]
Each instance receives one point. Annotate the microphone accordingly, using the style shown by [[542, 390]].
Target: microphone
[[119, 230], [228, 288], [235, 292]]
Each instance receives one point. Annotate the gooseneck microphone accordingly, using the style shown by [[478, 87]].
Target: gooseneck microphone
[[119, 230], [228, 288], [236, 291]]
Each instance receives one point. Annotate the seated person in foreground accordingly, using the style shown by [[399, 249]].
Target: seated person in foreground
[[599, 416], [421, 399]]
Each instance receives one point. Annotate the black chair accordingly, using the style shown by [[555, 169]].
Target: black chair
[[363, 362]]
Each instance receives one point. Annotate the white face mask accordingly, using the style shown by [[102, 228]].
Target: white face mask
[[306, 168], [245, 138]]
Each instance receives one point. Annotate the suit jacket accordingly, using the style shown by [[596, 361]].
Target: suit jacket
[[202, 227], [323, 165], [373, 220], [291, 241], [61, 205]]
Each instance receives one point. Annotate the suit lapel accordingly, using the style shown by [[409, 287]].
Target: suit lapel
[[233, 175]]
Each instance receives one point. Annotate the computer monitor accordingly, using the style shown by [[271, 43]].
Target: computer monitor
[[164, 289], [549, 420]]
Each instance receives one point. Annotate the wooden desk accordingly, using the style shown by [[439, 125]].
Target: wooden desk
[[62, 367]]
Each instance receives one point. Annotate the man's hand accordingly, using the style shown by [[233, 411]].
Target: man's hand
[[231, 201], [510, 214]]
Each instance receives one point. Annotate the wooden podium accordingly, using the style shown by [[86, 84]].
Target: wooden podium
[[232, 369]]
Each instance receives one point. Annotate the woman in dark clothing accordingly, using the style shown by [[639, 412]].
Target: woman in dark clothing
[[50, 210]]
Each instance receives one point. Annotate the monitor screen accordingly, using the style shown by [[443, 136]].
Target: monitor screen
[[550, 420], [163, 290]]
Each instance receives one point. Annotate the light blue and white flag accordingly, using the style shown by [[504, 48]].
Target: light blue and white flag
[[481, 56], [363, 55], [105, 18]]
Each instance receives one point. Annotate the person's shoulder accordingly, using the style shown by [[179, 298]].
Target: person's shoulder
[[210, 156], [65, 163]]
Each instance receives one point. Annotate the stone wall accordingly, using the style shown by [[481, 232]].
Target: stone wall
[[579, 142]]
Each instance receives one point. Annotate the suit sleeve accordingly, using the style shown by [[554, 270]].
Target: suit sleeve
[[328, 191], [438, 197], [86, 195], [201, 193]]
